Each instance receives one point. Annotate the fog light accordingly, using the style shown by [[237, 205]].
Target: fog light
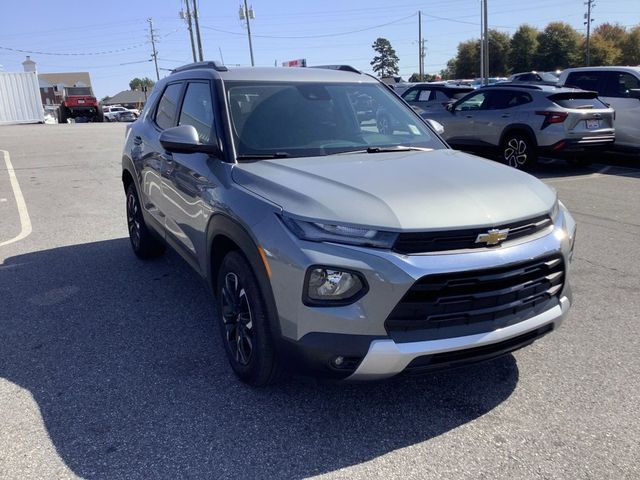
[[338, 361], [329, 286]]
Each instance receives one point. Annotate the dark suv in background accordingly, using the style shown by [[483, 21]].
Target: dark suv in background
[[434, 96]]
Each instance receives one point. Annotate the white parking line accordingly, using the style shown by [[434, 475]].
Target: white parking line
[[25, 221]]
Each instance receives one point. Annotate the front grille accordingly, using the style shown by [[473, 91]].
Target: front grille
[[465, 303], [425, 242]]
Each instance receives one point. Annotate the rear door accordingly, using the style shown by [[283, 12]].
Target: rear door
[[187, 176], [617, 93]]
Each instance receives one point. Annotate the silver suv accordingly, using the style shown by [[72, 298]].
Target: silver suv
[[521, 122], [332, 248]]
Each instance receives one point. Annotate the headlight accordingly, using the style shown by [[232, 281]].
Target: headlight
[[329, 286], [353, 235]]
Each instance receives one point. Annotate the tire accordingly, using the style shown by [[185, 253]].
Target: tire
[[62, 114], [144, 244], [99, 116], [244, 323], [518, 151]]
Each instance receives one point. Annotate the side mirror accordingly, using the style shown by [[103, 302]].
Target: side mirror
[[437, 126], [449, 107], [634, 93], [184, 139]]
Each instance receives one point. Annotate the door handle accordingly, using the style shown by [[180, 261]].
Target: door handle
[[505, 115], [137, 140], [469, 116]]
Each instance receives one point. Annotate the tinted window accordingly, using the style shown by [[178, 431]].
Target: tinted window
[[501, 99], [197, 110], [620, 83], [585, 80], [168, 105], [577, 100]]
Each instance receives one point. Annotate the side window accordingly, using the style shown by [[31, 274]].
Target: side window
[[425, 96], [519, 99], [168, 105], [197, 110], [620, 83], [441, 96], [474, 102], [411, 95], [585, 81]]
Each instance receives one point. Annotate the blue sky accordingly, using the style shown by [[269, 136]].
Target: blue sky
[[113, 35]]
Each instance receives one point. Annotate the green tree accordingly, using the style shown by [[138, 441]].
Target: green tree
[[559, 47], [524, 45], [415, 77], [603, 51], [631, 47], [467, 62], [611, 32], [499, 49], [386, 62], [138, 83]]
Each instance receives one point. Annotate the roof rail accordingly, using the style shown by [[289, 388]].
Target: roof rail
[[217, 66], [344, 68], [514, 84]]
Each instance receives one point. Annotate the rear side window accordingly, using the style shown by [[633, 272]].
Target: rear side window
[[580, 100], [502, 99], [168, 105], [425, 96], [197, 110], [620, 84], [411, 95]]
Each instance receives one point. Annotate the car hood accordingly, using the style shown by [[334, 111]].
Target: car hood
[[432, 190]]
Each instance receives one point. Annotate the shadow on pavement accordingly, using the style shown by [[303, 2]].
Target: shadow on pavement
[[126, 367]]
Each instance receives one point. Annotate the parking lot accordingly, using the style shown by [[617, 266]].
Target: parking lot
[[112, 368]]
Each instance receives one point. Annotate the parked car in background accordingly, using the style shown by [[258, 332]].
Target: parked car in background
[[520, 122], [111, 113], [430, 96], [334, 248], [545, 78], [619, 87], [126, 116]]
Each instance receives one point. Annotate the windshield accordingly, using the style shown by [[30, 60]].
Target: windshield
[[78, 91], [314, 119]]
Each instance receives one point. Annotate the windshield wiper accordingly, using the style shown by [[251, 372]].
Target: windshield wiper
[[399, 148], [262, 156]]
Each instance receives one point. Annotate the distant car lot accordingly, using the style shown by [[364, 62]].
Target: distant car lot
[[100, 378]]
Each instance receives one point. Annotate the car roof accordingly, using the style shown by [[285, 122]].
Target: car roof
[[329, 74], [612, 67], [547, 89]]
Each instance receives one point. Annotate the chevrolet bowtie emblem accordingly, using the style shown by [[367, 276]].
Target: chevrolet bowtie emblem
[[493, 236]]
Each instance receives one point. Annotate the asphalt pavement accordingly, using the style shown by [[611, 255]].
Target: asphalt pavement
[[111, 368]]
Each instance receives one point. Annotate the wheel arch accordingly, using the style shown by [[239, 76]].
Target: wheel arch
[[521, 128], [224, 235]]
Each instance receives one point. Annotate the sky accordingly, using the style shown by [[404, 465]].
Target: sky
[[110, 38]]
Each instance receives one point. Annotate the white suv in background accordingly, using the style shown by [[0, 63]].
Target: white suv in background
[[111, 113], [619, 87]]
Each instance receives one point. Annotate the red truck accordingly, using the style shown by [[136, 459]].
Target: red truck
[[79, 103]]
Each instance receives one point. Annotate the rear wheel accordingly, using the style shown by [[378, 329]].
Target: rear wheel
[[518, 151], [62, 114], [244, 323], [144, 244]]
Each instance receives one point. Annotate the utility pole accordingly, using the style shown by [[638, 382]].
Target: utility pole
[[246, 13], [420, 47], [195, 19], [485, 20], [482, 41], [187, 18], [153, 46], [587, 16]]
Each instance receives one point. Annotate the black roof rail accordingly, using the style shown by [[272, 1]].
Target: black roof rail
[[344, 68], [217, 66], [513, 84]]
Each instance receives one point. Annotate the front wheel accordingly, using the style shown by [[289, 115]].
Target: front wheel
[[245, 323], [518, 151]]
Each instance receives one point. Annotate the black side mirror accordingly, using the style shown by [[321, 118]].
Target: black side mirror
[[634, 93], [184, 139], [450, 107]]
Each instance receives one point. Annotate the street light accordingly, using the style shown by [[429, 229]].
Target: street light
[[246, 13]]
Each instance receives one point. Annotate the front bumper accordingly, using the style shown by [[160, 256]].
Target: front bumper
[[386, 358]]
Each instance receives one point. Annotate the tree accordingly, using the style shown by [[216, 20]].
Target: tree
[[467, 62], [631, 48], [524, 45], [415, 77], [559, 47], [603, 51], [499, 49], [138, 83], [386, 62], [611, 32]]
